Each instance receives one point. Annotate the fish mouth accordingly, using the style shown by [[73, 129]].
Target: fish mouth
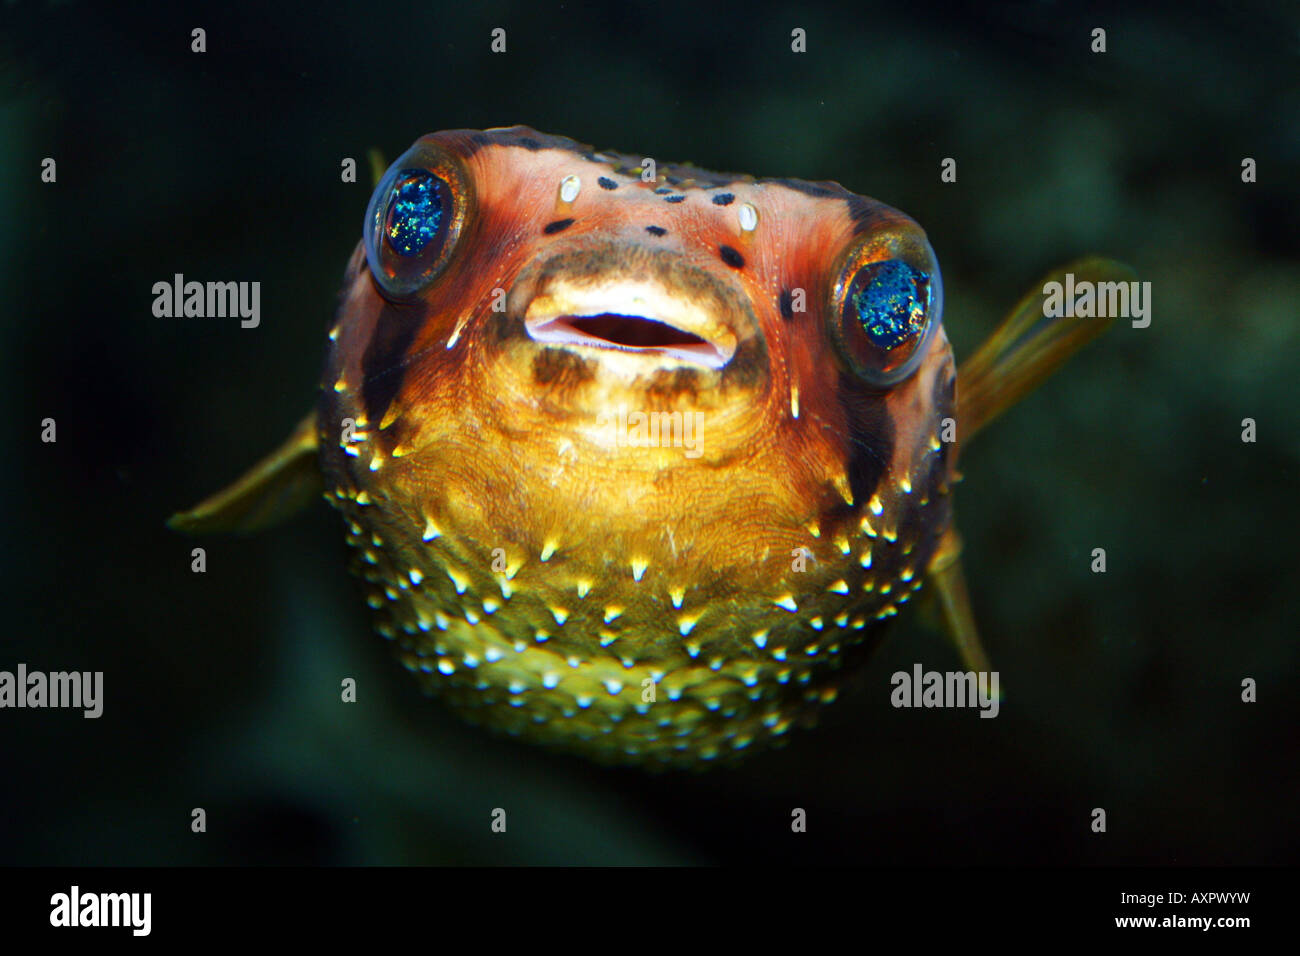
[[631, 316]]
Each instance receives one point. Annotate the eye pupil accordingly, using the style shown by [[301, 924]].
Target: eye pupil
[[890, 299], [415, 213]]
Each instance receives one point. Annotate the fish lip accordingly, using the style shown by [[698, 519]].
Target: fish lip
[[691, 331]]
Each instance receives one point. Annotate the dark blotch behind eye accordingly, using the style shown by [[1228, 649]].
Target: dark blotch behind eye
[[414, 213], [656, 230], [607, 183], [731, 257], [723, 199], [558, 226]]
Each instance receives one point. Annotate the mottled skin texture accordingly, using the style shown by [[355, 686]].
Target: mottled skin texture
[[542, 580]]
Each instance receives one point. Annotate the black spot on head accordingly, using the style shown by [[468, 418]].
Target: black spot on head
[[656, 230], [527, 142], [607, 183], [723, 199], [787, 304], [731, 257], [674, 199], [662, 190], [558, 226], [820, 190]]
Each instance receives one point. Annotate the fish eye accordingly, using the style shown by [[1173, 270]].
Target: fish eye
[[416, 214], [886, 305]]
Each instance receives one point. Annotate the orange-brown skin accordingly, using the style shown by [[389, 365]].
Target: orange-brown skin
[[632, 603]]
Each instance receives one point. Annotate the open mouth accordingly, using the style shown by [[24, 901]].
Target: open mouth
[[638, 317]]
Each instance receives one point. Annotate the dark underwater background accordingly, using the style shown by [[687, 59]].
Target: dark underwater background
[[222, 689]]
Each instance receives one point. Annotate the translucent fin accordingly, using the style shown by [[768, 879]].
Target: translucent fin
[[377, 166], [1028, 347], [277, 487], [949, 588]]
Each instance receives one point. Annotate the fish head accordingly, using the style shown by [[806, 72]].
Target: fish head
[[632, 455]]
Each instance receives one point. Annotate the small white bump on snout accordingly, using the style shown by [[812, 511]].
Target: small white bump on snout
[[569, 187], [748, 217]]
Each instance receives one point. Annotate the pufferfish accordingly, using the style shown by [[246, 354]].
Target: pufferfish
[[636, 460]]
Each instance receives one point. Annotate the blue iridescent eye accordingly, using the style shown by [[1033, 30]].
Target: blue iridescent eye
[[887, 309], [415, 218], [415, 212], [889, 299]]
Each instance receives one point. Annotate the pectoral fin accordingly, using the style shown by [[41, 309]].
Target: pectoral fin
[[277, 487], [948, 585], [1028, 347]]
